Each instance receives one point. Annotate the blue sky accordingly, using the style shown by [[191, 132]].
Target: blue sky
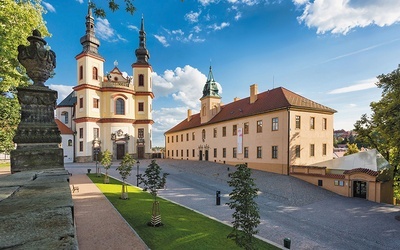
[[329, 51]]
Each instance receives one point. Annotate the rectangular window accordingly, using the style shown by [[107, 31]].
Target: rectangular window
[[167, 139], [224, 153], [246, 152], [81, 102], [275, 124], [96, 103], [274, 152], [187, 136], [312, 123], [259, 126], [96, 133], [298, 121], [140, 133], [223, 131], [81, 133], [324, 149], [193, 137], [187, 152], [246, 128], [177, 155], [80, 72], [234, 153], [312, 150], [324, 123], [259, 152], [181, 137], [172, 151], [177, 138], [297, 151], [181, 152], [234, 130], [193, 152], [141, 106], [215, 153], [215, 133], [81, 146]]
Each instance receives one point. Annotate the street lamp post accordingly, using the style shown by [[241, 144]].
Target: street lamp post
[[137, 173]]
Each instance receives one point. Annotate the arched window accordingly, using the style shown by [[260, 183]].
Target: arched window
[[141, 80], [203, 134], [94, 71], [80, 72], [120, 106], [65, 115]]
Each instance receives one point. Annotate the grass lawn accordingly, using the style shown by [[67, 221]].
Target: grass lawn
[[4, 164], [183, 228]]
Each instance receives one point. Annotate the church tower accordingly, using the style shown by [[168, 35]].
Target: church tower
[[144, 95], [211, 100]]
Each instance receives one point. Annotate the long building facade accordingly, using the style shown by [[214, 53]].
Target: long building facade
[[109, 110], [269, 131]]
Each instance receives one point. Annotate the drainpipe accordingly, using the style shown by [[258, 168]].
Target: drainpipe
[[288, 142]]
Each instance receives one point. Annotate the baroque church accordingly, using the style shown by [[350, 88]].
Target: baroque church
[[108, 111]]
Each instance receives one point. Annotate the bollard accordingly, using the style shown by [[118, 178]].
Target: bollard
[[286, 243], [218, 198]]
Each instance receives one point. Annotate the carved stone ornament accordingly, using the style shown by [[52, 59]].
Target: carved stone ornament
[[38, 60]]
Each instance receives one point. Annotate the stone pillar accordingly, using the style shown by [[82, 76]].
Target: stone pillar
[[37, 137]]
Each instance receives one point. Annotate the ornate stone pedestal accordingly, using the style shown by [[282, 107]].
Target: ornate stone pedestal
[[37, 136]]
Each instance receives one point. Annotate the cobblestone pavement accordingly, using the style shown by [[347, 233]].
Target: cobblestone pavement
[[311, 217]]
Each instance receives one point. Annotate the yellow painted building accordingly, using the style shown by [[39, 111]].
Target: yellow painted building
[[269, 131], [109, 110]]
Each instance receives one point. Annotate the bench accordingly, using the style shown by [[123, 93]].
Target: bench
[[75, 188]]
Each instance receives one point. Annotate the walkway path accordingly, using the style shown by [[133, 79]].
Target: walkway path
[[98, 225]]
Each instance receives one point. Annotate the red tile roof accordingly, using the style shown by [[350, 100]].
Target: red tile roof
[[63, 128], [362, 170], [268, 101]]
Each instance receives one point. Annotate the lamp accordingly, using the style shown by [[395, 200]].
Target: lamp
[[137, 173]]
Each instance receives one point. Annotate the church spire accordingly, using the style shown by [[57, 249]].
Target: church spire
[[142, 54], [90, 43], [210, 88]]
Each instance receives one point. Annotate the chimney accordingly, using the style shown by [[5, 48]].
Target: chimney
[[253, 93], [236, 99], [189, 114]]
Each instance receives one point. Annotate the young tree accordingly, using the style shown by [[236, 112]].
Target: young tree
[[106, 161], [124, 169], [351, 149], [246, 216], [153, 181]]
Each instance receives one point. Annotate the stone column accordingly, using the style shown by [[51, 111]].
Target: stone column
[[38, 138]]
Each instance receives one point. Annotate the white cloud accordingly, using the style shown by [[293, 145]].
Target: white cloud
[[178, 32], [341, 16], [105, 32], [80, 1], [185, 85], [162, 40], [165, 119], [196, 29], [361, 85], [192, 17], [219, 27], [49, 7], [238, 16], [133, 27], [207, 2], [63, 91]]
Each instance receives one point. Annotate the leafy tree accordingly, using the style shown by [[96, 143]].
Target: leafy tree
[[351, 149], [382, 129], [106, 161], [153, 181], [246, 216], [125, 169], [17, 19]]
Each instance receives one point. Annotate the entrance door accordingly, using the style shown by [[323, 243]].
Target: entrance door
[[200, 155], [140, 151], [120, 151], [206, 155], [360, 189]]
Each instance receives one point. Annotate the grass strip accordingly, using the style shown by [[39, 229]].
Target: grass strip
[[183, 228]]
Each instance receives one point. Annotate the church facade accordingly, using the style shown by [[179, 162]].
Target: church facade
[[269, 131], [109, 111]]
